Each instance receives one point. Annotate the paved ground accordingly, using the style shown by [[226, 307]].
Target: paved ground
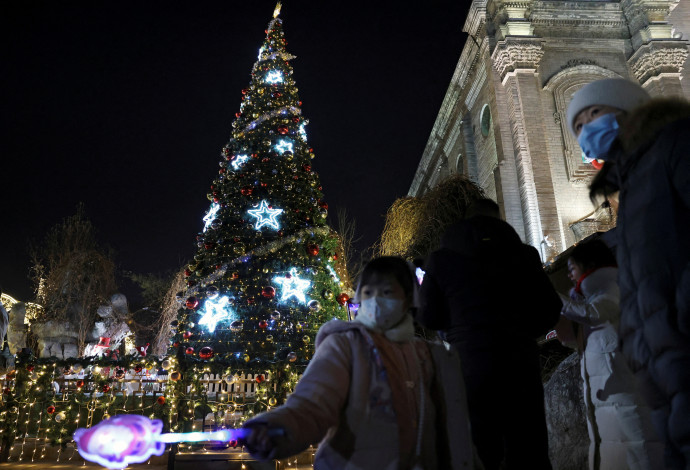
[[71, 465]]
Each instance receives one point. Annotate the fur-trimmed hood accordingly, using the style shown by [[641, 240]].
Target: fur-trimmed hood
[[640, 128]]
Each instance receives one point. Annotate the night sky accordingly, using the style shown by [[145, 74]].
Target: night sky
[[124, 106]]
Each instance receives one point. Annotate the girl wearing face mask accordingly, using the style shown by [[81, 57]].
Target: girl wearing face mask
[[374, 396], [618, 421], [645, 145]]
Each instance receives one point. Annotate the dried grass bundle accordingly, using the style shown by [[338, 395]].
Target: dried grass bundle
[[414, 225]]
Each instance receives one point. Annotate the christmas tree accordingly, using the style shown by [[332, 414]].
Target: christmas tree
[[265, 275]]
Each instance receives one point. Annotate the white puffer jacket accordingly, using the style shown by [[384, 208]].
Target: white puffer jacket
[[620, 428]]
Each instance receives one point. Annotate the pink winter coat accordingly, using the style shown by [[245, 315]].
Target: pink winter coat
[[344, 403]]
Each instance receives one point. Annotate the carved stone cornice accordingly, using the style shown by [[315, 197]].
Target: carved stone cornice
[[658, 57], [476, 18], [647, 19], [517, 53]]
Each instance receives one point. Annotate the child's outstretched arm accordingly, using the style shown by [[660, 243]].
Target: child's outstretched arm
[[313, 408]]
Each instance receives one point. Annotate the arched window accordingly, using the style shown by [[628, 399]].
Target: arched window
[[485, 120], [563, 85]]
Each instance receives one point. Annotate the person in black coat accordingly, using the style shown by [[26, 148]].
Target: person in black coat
[[644, 144], [488, 294]]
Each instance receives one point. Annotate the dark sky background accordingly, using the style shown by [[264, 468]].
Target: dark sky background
[[124, 106]]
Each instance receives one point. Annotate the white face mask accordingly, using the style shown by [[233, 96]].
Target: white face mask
[[381, 313]]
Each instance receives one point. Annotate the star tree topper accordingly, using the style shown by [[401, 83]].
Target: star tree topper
[[293, 286], [265, 216]]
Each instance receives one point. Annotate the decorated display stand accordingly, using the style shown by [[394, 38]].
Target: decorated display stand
[[265, 277]]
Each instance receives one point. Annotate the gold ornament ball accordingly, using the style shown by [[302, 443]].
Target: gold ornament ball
[[272, 401], [175, 376], [246, 358], [306, 339]]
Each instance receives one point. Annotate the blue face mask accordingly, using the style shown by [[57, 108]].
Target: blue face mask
[[597, 136]]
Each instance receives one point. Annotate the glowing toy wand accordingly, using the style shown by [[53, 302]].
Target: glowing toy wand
[[125, 439]]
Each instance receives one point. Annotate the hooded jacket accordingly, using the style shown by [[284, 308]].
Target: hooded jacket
[[619, 422], [346, 402], [650, 166]]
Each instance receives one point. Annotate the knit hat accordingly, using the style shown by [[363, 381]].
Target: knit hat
[[614, 92]]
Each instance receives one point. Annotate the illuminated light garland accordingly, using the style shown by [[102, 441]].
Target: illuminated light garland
[[211, 215], [215, 311], [265, 216], [258, 251], [334, 275], [294, 110], [293, 286], [284, 146]]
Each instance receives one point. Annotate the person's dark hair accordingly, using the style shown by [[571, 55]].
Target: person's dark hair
[[392, 266], [593, 254], [485, 207]]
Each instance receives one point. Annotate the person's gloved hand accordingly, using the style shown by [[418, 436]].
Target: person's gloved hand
[[262, 440]]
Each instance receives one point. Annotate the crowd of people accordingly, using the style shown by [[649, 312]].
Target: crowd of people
[[377, 396]]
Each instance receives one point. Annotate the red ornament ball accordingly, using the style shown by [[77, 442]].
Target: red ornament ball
[[30, 368], [306, 168], [187, 334], [187, 272], [283, 130], [160, 400], [269, 292], [313, 249], [206, 352], [233, 443], [323, 205], [80, 383], [263, 324], [342, 298], [189, 350], [176, 344], [191, 303], [260, 378], [105, 388], [50, 410], [246, 191], [6, 391], [138, 369]]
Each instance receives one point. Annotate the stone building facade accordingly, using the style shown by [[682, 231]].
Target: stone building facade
[[502, 121]]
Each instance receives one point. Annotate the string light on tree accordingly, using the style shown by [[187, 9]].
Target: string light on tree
[[265, 216], [292, 286], [211, 215]]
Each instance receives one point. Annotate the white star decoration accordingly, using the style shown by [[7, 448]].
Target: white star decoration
[[284, 146], [215, 311], [265, 216], [274, 77], [293, 286], [211, 215], [239, 161]]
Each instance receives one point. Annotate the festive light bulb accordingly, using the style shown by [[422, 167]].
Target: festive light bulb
[[284, 146], [419, 272], [274, 76], [239, 161], [293, 286], [211, 215], [265, 216], [214, 311], [302, 132]]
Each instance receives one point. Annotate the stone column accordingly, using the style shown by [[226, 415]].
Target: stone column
[[516, 60], [659, 51]]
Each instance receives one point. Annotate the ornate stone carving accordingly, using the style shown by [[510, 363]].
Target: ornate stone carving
[[514, 53], [658, 57], [576, 62]]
